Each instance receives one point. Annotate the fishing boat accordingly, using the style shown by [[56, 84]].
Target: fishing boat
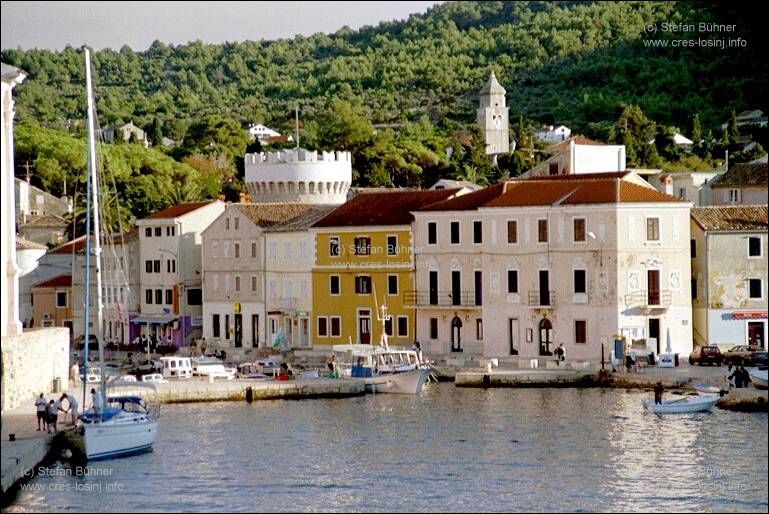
[[384, 370], [125, 426], [758, 377], [685, 405]]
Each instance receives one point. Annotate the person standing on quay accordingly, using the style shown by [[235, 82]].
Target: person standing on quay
[[40, 404]]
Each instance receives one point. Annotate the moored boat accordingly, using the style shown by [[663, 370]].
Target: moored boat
[[383, 370], [758, 377], [685, 405]]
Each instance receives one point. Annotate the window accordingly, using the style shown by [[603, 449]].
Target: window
[[733, 196], [392, 285], [216, 327], [148, 266], [682, 193], [226, 326], [61, 298], [512, 232], [580, 285], [333, 247], [148, 232], [477, 232], [237, 223], [455, 232], [433, 328], [579, 230], [754, 247], [215, 249], [478, 329], [158, 231], [362, 246], [333, 285], [392, 245], [694, 289], [322, 326], [756, 288], [237, 249], [253, 249], [194, 296], [512, 281], [237, 283], [169, 296], [168, 231], [158, 296], [148, 296], [403, 326], [173, 231], [580, 331], [226, 223], [542, 231], [363, 284], [388, 327], [693, 248], [553, 168], [652, 229], [226, 249], [253, 283], [156, 265], [432, 233], [336, 326]]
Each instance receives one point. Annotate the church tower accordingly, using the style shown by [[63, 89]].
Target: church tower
[[493, 118]]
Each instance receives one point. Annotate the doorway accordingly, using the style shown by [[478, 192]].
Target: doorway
[[238, 330], [654, 332], [456, 334], [514, 334], [653, 281], [364, 327], [544, 287], [756, 333], [304, 332], [545, 336]]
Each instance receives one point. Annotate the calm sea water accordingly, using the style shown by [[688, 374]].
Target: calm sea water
[[449, 449]]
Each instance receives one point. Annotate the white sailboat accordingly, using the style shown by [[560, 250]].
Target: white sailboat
[[126, 426]]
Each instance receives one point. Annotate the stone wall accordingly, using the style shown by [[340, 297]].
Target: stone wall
[[30, 363]]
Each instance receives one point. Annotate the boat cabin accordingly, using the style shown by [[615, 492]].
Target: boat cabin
[[176, 367]]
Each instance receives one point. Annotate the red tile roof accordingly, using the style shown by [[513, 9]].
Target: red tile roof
[[745, 174], [178, 210], [380, 209], [60, 281], [567, 190], [283, 216], [739, 217], [76, 245]]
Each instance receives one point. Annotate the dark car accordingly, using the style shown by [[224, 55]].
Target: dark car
[[746, 355], [706, 355]]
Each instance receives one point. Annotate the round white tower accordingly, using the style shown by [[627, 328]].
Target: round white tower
[[299, 175]]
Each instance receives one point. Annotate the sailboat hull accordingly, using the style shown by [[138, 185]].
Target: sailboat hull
[[121, 438]]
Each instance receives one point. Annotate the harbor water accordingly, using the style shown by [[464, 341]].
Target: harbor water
[[448, 449]]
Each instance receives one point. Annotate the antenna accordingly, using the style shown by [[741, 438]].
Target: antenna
[[382, 317], [296, 112]]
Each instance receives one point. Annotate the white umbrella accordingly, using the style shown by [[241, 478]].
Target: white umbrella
[[669, 348]]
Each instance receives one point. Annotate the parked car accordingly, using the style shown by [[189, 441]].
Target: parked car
[[706, 355], [746, 355]]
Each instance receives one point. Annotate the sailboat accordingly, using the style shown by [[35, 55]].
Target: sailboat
[[125, 426]]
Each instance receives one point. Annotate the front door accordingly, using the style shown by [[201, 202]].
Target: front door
[[255, 330], [364, 327], [545, 337], [433, 288], [513, 331], [654, 331], [756, 333], [238, 330], [456, 334], [288, 331], [653, 281], [304, 332]]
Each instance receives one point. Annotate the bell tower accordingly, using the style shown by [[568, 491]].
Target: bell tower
[[492, 117]]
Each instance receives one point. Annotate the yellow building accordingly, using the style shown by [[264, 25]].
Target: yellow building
[[364, 260]]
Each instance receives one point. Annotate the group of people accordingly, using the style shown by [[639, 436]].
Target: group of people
[[48, 410], [560, 354], [739, 377]]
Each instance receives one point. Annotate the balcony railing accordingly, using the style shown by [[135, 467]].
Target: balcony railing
[[541, 298], [441, 298], [649, 299]]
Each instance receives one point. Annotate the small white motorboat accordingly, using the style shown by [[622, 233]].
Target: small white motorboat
[[685, 405], [758, 377], [706, 389]]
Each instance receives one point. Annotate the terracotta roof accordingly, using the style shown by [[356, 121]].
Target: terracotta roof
[[567, 190], [26, 244], [178, 210], [286, 217], [745, 174], [379, 209], [60, 281], [742, 217], [46, 220], [580, 140]]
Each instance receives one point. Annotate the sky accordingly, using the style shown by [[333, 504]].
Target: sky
[[53, 25]]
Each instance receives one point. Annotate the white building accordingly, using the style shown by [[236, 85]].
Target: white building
[[693, 186], [551, 134], [171, 298], [744, 184], [520, 267], [299, 176], [263, 134], [579, 155], [729, 274]]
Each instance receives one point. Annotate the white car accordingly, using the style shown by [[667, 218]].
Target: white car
[[154, 377]]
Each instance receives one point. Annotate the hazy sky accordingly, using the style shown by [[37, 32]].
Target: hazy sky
[[53, 25]]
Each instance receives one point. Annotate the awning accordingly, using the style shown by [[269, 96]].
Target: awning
[[154, 319], [749, 315]]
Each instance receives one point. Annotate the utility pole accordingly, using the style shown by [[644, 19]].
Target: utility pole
[[296, 113], [27, 166]]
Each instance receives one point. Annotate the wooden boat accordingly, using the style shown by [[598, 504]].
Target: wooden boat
[[685, 405]]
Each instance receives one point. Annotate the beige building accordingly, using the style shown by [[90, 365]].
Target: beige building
[[743, 184], [729, 274], [52, 303], [170, 263], [520, 267]]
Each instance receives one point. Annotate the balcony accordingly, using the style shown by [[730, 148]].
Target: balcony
[[649, 301], [441, 299], [542, 299]]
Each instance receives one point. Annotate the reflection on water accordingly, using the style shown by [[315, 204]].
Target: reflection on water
[[447, 450]]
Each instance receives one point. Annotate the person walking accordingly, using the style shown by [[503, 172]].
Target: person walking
[[40, 404], [52, 412]]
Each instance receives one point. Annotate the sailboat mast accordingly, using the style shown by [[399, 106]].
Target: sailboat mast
[[95, 210]]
